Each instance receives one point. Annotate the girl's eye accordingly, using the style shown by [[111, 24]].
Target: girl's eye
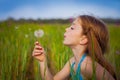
[[72, 28]]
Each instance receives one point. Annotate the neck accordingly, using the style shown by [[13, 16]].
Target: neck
[[78, 51]]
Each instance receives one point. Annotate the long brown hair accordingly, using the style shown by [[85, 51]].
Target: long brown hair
[[96, 31]]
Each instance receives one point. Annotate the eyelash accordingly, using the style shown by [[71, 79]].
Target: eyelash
[[72, 28]]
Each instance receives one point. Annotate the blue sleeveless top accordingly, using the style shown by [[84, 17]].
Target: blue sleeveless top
[[77, 75]]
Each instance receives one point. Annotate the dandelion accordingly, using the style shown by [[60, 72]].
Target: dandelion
[[39, 33], [118, 52], [26, 36], [16, 27], [29, 29]]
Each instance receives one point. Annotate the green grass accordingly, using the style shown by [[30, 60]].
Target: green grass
[[17, 43]]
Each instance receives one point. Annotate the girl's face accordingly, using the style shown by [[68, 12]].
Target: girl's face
[[73, 34]]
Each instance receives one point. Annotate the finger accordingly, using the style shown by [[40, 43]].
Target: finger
[[37, 54], [38, 47], [37, 43], [38, 51]]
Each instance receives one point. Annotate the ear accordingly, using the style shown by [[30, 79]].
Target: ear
[[83, 40]]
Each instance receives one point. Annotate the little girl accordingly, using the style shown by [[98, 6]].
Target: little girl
[[88, 38]]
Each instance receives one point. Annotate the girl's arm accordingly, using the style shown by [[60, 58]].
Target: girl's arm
[[62, 75], [45, 73], [39, 54]]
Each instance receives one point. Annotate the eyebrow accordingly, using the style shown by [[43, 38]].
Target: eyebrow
[[73, 23]]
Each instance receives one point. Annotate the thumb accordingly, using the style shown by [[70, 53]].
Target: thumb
[[37, 43]]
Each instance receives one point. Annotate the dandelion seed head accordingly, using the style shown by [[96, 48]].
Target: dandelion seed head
[[39, 33], [29, 29], [16, 27], [118, 52], [26, 35]]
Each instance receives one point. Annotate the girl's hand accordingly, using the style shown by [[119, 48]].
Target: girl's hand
[[39, 52]]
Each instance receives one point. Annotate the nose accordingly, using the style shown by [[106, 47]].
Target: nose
[[66, 29]]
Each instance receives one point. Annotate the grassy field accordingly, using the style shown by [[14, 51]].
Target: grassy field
[[17, 42]]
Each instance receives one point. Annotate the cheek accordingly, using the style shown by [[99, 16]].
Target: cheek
[[71, 39]]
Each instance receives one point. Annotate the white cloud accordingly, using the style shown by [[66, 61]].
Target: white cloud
[[64, 11]]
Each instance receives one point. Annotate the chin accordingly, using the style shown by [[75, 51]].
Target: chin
[[66, 43]]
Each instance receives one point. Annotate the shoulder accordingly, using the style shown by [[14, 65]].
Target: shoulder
[[87, 69], [86, 61], [65, 71]]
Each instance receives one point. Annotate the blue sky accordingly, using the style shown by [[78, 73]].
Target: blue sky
[[58, 8]]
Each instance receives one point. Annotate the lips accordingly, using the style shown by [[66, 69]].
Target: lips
[[64, 35]]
